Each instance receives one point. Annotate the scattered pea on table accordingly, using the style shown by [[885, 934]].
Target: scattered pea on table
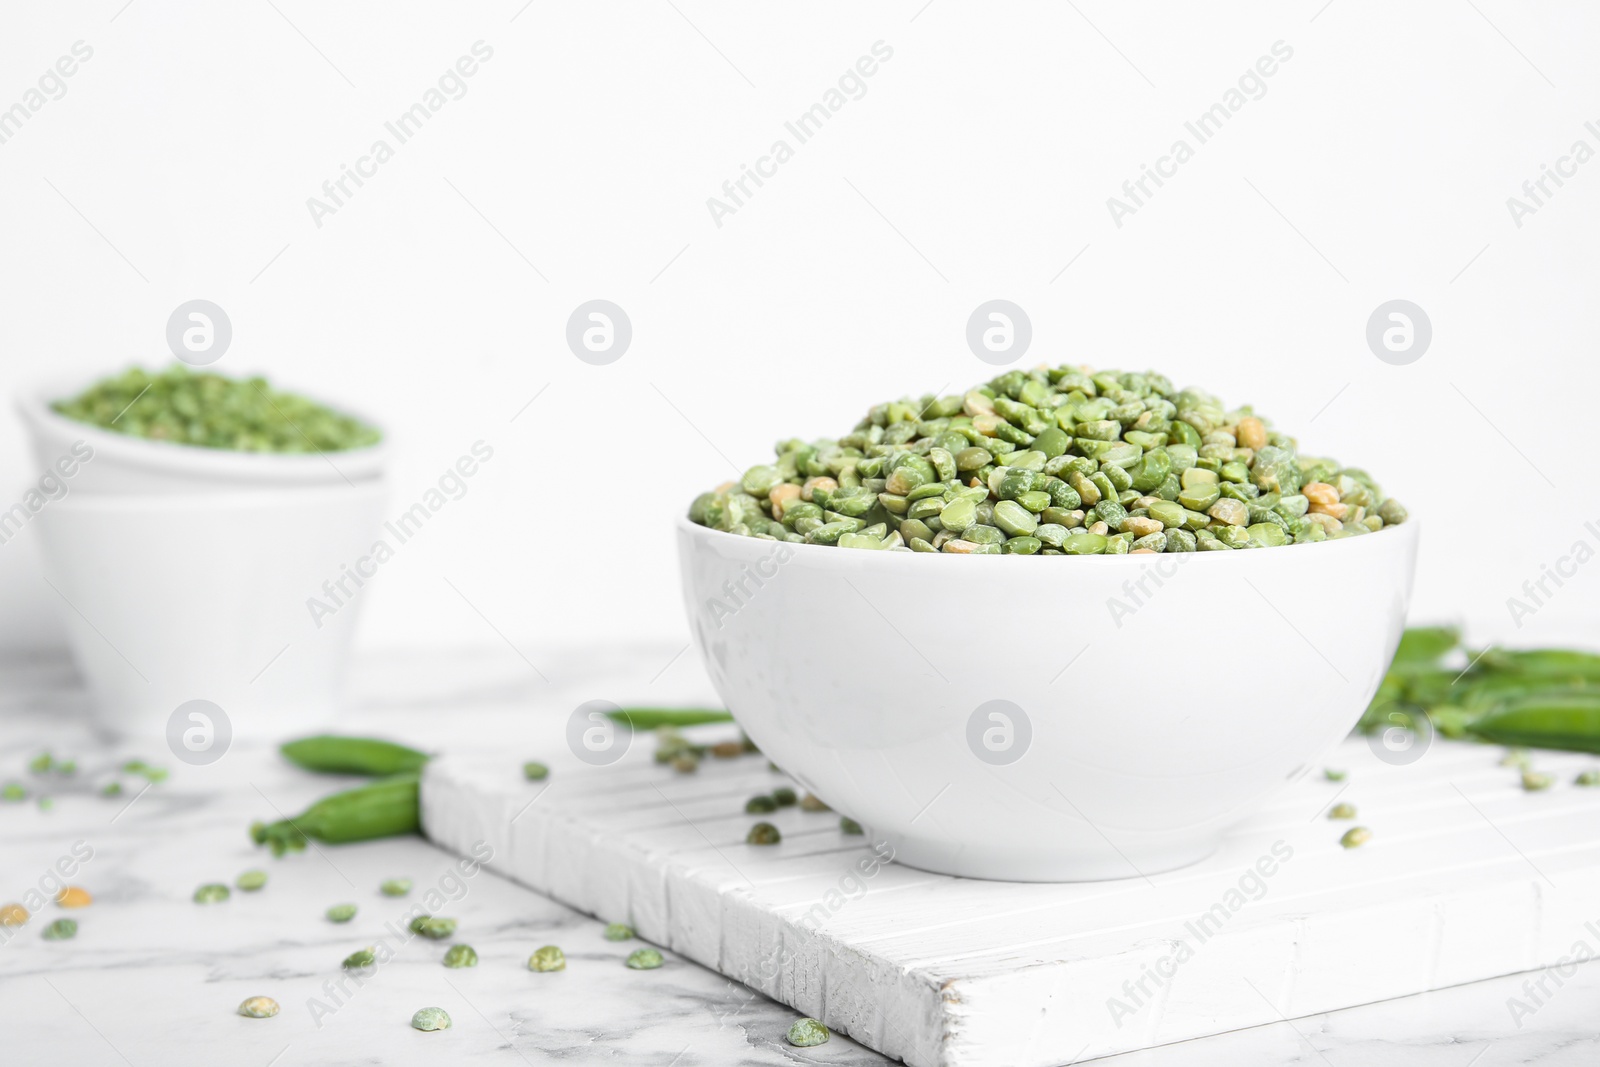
[[1355, 837], [548, 958], [457, 956], [1536, 781], [807, 1032], [212, 893], [258, 1008], [73, 896], [359, 959], [431, 1019]]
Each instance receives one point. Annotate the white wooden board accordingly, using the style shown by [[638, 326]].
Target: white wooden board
[[1467, 877]]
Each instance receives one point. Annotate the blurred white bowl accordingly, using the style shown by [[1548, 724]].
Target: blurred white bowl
[[122, 463], [1046, 719], [170, 598]]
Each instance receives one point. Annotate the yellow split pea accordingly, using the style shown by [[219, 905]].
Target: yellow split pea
[[74, 897]]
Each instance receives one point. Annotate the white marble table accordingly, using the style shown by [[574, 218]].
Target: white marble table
[[153, 978]]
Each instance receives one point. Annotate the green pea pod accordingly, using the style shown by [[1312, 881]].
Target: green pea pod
[[331, 754], [1426, 644], [1451, 721], [1488, 691], [385, 808], [650, 718], [1569, 721], [1559, 662]]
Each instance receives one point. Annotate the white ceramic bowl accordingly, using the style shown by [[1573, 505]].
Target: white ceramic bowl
[[1136, 724], [169, 598], [120, 463]]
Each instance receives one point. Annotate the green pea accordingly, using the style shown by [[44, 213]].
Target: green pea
[[1587, 778], [1342, 811], [1535, 781], [395, 887], [431, 1019], [432, 927], [1111, 513], [644, 959], [763, 833], [1014, 519], [359, 959], [1200, 497], [1084, 544], [258, 1008], [341, 913], [618, 932], [535, 771], [847, 825], [211, 893], [1052, 441], [784, 797], [970, 459], [1355, 837], [250, 881], [1268, 534], [1334, 775], [1050, 534], [1167, 513], [980, 534], [548, 958], [805, 1033], [760, 805], [457, 956], [1233, 536], [61, 930], [759, 480], [1035, 500]]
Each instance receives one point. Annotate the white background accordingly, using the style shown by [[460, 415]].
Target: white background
[[977, 165]]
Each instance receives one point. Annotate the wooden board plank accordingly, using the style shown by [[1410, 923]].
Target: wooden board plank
[[1467, 877]]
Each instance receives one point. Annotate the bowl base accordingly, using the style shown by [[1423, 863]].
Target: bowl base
[[1041, 865]]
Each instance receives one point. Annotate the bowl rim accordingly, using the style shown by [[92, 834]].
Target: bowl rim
[[33, 404], [1408, 529]]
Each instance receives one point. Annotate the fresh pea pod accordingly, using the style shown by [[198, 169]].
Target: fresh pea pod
[[385, 808], [650, 718], [1488, 691], [1426, 644], [332, 754], [1569, 721], [1558, 662]]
